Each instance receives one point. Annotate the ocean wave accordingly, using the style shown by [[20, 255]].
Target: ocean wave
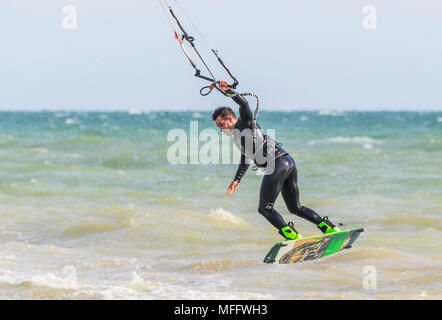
[[383, 254], [135, 111], [71, 121], [45, 249], [366, 141], [416, 294], [126, 162], [333, 113], [39, 150], [220, 265], [395, 259], [193, 290], [85, 140], [67, 280], [53, 286], [411, 219], [224, 217], [92, 228]]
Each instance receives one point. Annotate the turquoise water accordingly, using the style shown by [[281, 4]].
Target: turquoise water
[[92, 197]]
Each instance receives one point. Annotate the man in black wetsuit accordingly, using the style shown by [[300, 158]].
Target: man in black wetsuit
[[280, 174]]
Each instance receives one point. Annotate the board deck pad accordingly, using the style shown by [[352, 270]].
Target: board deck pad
[[311, 248]]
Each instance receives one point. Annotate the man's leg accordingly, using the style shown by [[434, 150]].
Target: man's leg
[[270, 188], [290, 193]]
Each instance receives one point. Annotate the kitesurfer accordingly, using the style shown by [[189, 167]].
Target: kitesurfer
[[280, 173]]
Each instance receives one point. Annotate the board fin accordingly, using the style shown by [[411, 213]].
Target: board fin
[[269, 258]]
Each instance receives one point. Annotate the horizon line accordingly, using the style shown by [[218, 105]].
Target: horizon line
[[135, 110]]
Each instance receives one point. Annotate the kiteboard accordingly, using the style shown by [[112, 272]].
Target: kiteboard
[[315, 247]]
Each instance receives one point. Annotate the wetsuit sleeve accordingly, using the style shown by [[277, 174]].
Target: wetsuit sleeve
[[242, 168], [244, 109]]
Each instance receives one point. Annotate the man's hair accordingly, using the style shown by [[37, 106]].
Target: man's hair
[[224, 112]]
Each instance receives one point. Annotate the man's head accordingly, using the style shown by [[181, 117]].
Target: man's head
[[225, 119]]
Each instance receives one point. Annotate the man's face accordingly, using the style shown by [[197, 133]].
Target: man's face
[[225, 125]]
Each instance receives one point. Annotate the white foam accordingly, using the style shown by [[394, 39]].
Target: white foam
[[135, 111], [439, 119], [41, 280], [344, 140], [224, 216], [71, 121], [333, 113], [196, 291]]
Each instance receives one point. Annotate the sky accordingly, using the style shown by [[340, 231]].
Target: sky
[[296, 55]]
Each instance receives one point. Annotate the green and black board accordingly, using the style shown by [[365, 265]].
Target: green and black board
[[310, 248]]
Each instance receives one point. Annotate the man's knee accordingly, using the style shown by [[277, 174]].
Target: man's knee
[[265, 209], [296, 209]]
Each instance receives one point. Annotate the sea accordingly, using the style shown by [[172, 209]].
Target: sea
[[134, 205]]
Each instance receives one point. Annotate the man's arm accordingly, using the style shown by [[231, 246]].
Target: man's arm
[[245, 113], [242, 168], [244, 110]]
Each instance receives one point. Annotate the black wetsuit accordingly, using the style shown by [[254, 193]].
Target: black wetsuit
[[280, 174]]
